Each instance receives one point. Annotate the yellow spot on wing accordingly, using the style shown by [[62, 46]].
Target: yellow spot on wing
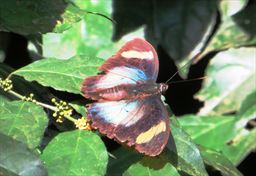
[[149, 134]]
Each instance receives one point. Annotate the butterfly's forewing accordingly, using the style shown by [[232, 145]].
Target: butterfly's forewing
[[135, 62], [143, 124], [137, 54]]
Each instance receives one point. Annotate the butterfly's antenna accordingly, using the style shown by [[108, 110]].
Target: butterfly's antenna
[[184, 66], [188, 63], [182, 81]]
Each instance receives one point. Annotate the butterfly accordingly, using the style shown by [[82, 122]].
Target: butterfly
[[129, 107]]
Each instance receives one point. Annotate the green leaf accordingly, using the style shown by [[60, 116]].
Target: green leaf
[[219, 162], [183, 153], [91, 35], [17, 159], [30, 16], [21, 86], [230, 77], [75, 153], [235, 31], [71, 16], [151, 167], [122, 158], [205, 130], [221, 133], [64, 75], [79, 108], [240, 146], [23, 121], [229, 8], [248, 103]]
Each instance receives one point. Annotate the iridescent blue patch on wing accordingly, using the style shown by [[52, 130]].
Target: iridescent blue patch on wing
[[115, 112]]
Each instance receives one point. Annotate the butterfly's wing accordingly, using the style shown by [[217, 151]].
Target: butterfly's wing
[[135, 62], [143, 124]]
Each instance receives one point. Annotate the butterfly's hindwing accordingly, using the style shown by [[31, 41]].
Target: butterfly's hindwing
[[139, 123]]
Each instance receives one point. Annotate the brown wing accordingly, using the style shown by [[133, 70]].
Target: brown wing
[[135, 62], [143, 124]]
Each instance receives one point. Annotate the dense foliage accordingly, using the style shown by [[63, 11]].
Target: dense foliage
[[67, 42]]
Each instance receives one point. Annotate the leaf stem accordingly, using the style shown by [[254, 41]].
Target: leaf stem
[[70, 119]]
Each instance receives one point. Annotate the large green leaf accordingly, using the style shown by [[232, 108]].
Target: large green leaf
[[30, 16], [150, 167], [75, 153], [17, 159], [65, 75], [23, 121], [206, 129], [183, 153], [219, 162], [172, 24], [222, 133], [230, 78], [235, 31]]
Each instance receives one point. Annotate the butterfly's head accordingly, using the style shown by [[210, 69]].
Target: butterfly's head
[[163, 87]]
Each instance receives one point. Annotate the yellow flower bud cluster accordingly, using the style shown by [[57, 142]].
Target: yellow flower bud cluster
[[83, 124], [6, 84], [63, 109]]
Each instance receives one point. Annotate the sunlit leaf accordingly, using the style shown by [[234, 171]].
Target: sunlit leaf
[[71, 16], [65, 75], [75, 153], [230, 77], [242, 145], [17, 159], [219, 162], [221, 133], [235, 31], [229, 8], [183, 153], [23, 121], [91, 35]]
